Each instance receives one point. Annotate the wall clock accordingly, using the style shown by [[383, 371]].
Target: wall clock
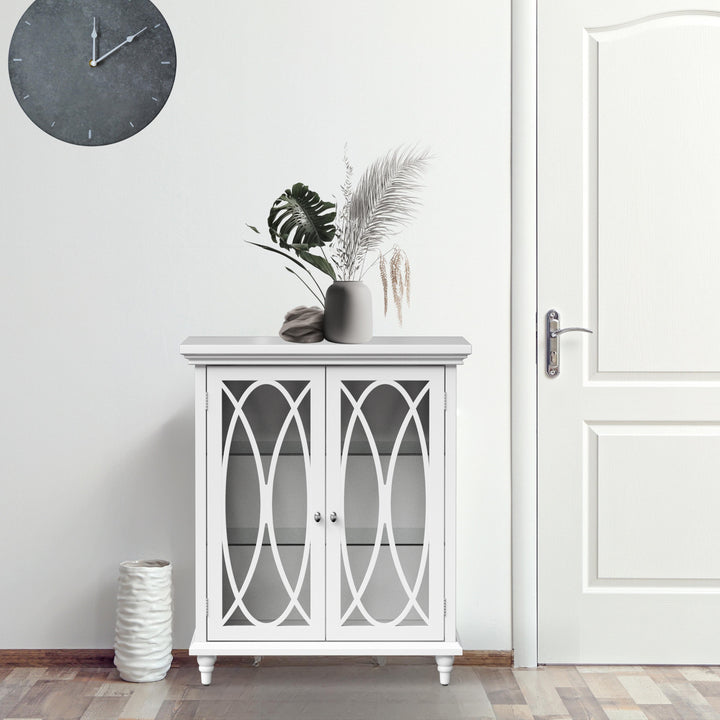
[[92, 72]]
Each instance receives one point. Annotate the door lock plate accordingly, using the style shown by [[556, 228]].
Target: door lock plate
[[552, 325], [552, 332]]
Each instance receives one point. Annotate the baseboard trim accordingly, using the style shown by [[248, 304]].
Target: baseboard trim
[[49, 658], [486, 658], [181, 658]]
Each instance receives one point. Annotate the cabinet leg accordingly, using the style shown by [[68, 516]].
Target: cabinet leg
[[444, 666], [206, 663]]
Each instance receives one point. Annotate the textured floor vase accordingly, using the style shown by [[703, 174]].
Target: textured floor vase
[[143, 630]]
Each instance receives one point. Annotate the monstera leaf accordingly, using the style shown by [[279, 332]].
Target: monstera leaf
[[300, 220]]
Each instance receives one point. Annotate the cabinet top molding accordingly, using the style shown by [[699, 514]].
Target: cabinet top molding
[[276, 351]]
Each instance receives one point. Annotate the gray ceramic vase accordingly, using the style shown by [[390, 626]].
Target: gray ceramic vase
[[348, 312]]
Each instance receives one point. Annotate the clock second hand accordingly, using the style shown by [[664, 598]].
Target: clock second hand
[[129, 39]]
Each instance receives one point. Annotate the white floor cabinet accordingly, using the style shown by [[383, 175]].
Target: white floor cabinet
[[325, 498]]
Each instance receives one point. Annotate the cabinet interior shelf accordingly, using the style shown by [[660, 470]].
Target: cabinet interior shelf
[[356, 537], [290, 622], [292, 448]]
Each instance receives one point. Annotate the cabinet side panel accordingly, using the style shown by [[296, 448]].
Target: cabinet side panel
[[450, 499], [200, 502]]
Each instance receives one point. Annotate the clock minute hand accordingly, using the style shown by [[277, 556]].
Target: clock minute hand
[[94, 35], [127, 40]]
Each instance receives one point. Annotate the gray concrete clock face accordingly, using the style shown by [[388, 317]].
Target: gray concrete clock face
[[92, 72]]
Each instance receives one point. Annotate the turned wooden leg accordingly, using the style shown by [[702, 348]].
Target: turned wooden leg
[[444, 666], [206, 663]]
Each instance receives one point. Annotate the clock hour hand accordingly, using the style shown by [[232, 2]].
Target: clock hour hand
[[127, 40]]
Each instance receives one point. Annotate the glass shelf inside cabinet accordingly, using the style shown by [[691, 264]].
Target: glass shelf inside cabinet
[[248, 536], [356, 447], [366, 536]]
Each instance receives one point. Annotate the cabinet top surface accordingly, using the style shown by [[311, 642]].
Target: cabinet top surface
[[275, 350]]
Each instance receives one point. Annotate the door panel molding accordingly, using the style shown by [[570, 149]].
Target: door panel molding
[[633, 469], [637, 24], [630, 71]]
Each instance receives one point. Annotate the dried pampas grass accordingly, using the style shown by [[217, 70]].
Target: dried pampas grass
[[383, 202], [384, 278], [399, 279]]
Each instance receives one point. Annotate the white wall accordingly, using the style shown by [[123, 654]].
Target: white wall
[[110, 256]]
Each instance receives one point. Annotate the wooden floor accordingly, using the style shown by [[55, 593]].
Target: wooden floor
[[364, 691]]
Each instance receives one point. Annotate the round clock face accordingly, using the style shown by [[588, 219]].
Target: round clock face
[[92, 72]]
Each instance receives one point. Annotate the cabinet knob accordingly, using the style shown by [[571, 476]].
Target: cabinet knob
[[317, 517], [333, 517]]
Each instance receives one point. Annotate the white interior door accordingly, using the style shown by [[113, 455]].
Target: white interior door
[[629, 246]]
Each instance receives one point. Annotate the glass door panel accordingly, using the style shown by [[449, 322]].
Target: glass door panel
[[265, 469], [386, 484]]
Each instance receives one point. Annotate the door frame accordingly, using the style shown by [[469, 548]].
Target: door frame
[[524, 353]]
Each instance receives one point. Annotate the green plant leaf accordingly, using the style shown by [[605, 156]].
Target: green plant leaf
[[291, 259], [319, 262], [299, 219], [253, 228], [317, 297], [279, 252]]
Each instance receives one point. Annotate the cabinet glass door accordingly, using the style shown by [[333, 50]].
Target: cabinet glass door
[[265, 483], [385, 490]]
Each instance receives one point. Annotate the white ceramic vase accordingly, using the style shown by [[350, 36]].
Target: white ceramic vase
[[348, 312], [143, 629]]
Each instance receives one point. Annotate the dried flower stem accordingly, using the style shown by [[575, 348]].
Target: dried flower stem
[[396, 281], [399, 278], [383, 277], [407, 278]]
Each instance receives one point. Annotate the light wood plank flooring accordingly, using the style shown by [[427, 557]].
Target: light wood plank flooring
[[365, 691]]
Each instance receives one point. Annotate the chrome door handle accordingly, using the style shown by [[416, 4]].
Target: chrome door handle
[[553, 331], [317, 517], [333, 517]]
